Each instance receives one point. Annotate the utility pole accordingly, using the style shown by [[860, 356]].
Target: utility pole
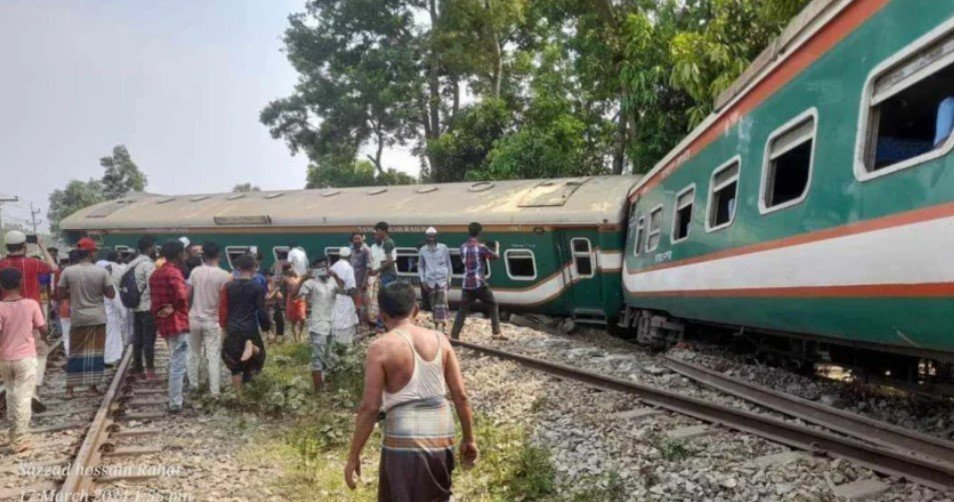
[[33, 214], [3, 235]]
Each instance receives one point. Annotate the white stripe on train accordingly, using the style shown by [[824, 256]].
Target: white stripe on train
[[915, 253]]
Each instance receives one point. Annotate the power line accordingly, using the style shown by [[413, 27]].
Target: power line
[[33, 214]]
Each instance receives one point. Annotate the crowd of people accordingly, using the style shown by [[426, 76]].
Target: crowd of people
[[179, 292]]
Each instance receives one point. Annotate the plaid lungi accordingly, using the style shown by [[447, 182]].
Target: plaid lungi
[[417, 458], [85, 365], [438, 299]]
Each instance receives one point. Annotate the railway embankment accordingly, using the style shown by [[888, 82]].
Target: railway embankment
[[609, 444]]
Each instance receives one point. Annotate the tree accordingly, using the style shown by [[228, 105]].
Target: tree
[[359, 76], [707, 59], [463, 150], [122, 175], [337, 173], [245, 187], [77, 195], [510, 88]]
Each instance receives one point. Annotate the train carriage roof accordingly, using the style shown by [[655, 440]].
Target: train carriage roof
[[568, 201]]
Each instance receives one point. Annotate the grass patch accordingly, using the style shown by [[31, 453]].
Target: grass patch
[[510, 467], [673, 450], [308, 437]]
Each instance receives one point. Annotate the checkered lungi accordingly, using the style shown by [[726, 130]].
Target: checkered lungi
[[438, 300], [417, 457], [85, 365]]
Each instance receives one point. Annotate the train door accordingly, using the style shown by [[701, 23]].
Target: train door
[[582, 291]]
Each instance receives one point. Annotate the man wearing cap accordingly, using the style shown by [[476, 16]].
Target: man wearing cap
[[87, 286], [345, 320], [435, 273], [31, 270]]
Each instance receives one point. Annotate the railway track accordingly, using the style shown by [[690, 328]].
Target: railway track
[[883, 448], [82, 445]]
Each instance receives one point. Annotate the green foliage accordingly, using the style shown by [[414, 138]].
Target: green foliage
[[511, 467], [464, 149], [503, 89], [122, 174], [245, 187], [331, 173], [673, 450], [77, 195], [707, 59]]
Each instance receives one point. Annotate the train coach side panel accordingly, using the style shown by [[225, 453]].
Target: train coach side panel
[[866, 260]]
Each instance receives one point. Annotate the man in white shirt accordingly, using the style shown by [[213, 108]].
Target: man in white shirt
[[115, 311], [298, 259], [346, 316], [205, 334], [434, 269], [320, 291]]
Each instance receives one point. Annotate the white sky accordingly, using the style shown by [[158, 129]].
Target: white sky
[[179, 82]]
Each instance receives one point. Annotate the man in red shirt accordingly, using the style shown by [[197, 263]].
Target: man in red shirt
[[31, 270], [170, 307]]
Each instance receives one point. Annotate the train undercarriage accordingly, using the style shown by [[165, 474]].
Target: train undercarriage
[[921, 371]]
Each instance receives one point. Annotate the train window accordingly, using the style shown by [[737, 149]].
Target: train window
[[639, 235], [233, 253], [583, 257], [787, 171], [457, 265], [406, 262], [333, 254], [280, 253], [521, 264], [908, 109], [723, 191], [655, 228], [682, 221], [125, 252]]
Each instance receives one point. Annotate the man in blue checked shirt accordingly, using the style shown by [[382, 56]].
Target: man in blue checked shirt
[[474, 286]]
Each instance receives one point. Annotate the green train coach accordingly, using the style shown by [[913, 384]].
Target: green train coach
[[817, 201], [560, 241]]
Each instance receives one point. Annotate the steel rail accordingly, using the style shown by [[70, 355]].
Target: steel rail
[[931, 473], [844, 422], [79, 480]]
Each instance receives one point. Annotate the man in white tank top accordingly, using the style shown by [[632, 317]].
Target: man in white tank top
[[408, 372]]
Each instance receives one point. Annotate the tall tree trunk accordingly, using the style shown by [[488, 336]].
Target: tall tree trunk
[[376, 159], [622, 134], [433, 131], [494, 39], [498, 68]]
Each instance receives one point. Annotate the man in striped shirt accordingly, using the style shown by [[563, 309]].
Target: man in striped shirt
[[474, 255]]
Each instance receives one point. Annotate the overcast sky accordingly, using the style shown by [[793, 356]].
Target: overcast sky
[[179, 82]]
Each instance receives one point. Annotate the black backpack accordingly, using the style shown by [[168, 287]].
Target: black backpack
[[129, 291]]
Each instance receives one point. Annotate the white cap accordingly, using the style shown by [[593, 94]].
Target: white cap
[[15, 237], [184, 240], [430, 231], [344, 252]]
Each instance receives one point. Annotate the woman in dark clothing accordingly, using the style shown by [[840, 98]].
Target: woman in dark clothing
[[241, 314]]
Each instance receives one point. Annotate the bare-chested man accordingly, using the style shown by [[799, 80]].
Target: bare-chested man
[[409, 371]]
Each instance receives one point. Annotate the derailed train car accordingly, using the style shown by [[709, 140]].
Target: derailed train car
[[559, 240], [818, 200]]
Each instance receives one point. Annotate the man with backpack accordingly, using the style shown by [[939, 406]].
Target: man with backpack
[[135, 295]]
